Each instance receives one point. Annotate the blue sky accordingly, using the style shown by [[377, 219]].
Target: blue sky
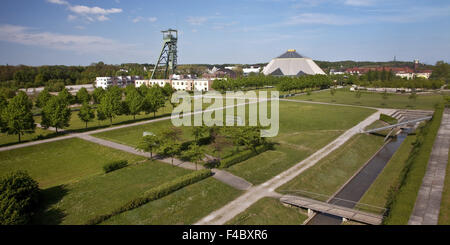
[[70, 32]]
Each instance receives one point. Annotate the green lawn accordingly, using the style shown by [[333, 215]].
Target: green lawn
[[78, 202], [61, 162], [399, 101], [444, 215], [377, 194], [304, 129], [185, 206], [269, 211], [13, 139], [330, 173]]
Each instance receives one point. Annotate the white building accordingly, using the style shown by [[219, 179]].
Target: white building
[[292, 64], [103, 82], [180, 85], [247, 71], [121, 81]]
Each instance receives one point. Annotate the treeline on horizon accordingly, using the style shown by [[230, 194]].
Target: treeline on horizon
[[55, 77]]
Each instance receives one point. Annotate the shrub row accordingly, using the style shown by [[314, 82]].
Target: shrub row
[[242, 156], [155, 193], [109, 167], [388, 119], [402, 195]]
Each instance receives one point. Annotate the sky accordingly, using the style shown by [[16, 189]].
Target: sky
[[71, 32]]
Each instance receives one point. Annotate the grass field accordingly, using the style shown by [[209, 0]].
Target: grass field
[[78, 202], [377, 194], [405, 197], [330, 173], [61, 162], [269, 211], [185, 206], [398, 101], [444, 214], [303, 129], [13, 139]]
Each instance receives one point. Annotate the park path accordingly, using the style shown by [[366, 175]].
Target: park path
[[233, 208], [221, 175], [428, 202], [70, 134]]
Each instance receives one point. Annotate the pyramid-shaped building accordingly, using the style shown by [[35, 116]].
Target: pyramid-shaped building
[[292, 64]]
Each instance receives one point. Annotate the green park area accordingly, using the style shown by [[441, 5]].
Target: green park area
[[324, 178], [372, 99], [269, 211], [62, 162], [185, 206], [303, 129]]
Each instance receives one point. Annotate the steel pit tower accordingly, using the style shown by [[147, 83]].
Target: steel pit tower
[[168, 57]]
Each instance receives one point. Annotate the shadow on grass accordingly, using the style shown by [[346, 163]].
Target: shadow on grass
[[48, 215], [38, 137]]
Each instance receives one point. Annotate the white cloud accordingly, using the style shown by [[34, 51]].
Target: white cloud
[[60, 2], [193, 20], [71, 17], [359, 2], [140, 19], [90, 14], [81, 44], [319, 18]]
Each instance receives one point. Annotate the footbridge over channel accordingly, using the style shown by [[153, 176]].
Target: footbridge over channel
[[404, 123], [327, 208]]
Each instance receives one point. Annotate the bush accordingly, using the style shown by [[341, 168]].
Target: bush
[[109, 167], [155, 193], [242, 156], [388, 119], [19, 198]]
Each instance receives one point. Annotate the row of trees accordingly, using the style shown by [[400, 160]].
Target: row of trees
[[402, 83], [16, 115], [168, 143], [283, 83]]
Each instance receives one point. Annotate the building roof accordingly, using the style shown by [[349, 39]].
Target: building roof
[[291, 53], [292, 64]]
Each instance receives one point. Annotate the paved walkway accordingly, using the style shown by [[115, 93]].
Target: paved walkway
[[221, 175], [255, 193], [428, 202]]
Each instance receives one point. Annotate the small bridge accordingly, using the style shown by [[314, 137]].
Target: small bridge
[[323, 207], [414, 121]]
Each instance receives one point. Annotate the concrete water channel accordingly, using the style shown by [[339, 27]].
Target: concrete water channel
[[352, 192]]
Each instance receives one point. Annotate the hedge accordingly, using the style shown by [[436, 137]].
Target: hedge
[[109, 167], [155, 193], [242, 156], [388, 119]]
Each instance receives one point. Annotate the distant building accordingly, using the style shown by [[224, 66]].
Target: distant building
[[219, 73], [252, 69], [292, 64], [179, 84], [120, 81], [403, 72], [336, 72]]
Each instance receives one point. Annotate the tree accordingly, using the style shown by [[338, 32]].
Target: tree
[[110, 104], [148, 144], [251, 137], [194, 154], [87, 113], [168, 148], [199, 132], [3, 105], [83, 96], [66, 96], [358, 94], [17, 116], [154, 100], [56, 113], [97, 95], [413, 97], [134, 102], [43, 98], [19, 198], [385, 96], [219, 143]]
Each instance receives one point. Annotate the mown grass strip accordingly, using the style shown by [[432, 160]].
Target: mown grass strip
[[402, 196], [155, 193]]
